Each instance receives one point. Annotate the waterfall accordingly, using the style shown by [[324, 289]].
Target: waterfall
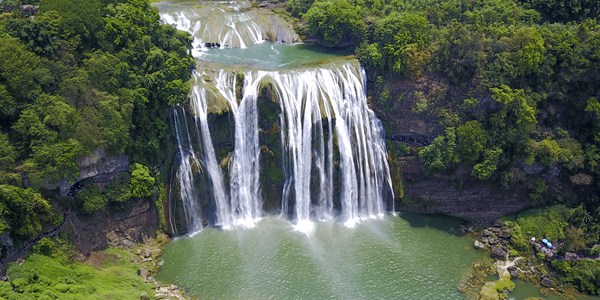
[[185, 173], [244, 164], [310, 98], [215, 27], [323, 115], [332, 153], [215, 174]]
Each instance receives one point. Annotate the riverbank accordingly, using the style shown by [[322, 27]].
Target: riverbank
[[56, 270], [561, 266]]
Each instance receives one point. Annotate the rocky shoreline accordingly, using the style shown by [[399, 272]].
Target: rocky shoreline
[[146, 256], [507, 264]]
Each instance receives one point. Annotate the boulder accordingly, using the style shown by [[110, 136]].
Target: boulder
[[499, 252], [571, 256], [493, 241], [143, 272], [478, 245], [547, 282], [505, 234]]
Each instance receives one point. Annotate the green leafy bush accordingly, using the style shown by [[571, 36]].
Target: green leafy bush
[[23, 211], [335, 23], [142, 183]]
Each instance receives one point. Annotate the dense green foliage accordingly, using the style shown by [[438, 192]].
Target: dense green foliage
[[507, 89], [75, 77], [23, 211], [335, 23]]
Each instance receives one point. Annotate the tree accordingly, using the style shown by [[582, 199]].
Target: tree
[[80, 20], [369, 55], [514, 122], [335, 23], [402, 38], [566, 10], [299, 7], [8, 105], [433, 156], [471, 141], [8, 155], [52, 163], [23, 210], [142, 183], [21, 71], [37, 34], [488, 166]]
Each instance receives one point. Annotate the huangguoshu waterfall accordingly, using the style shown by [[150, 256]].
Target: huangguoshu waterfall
[[324, 113], [333, 154]]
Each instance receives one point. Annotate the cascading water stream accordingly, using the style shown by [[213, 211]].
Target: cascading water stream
[[185, 173], [318, 106], [220, 196], [244, 166], [220, 28], [337, 95]]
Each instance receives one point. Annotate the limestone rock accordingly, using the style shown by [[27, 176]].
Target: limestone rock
[[143, 272], [478, 245], [571, 256]]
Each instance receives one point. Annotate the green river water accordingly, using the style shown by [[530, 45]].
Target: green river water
[[397, 257]]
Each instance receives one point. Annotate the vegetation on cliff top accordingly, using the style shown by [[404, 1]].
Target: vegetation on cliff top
[[76, 76]]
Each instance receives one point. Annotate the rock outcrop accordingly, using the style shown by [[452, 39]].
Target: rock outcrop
[[98, 166], [118, 224], [458, 194]]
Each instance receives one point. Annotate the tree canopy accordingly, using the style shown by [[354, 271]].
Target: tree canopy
[[75, 77]]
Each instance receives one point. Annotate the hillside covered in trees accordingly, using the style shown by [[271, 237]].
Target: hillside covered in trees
[[508, 92], [76, 76]]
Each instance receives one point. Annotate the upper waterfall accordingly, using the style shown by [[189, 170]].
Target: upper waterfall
[[227, 25]]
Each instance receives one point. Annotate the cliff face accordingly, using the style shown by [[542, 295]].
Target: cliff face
[[410, 114], [459, 194], [118, 224]]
